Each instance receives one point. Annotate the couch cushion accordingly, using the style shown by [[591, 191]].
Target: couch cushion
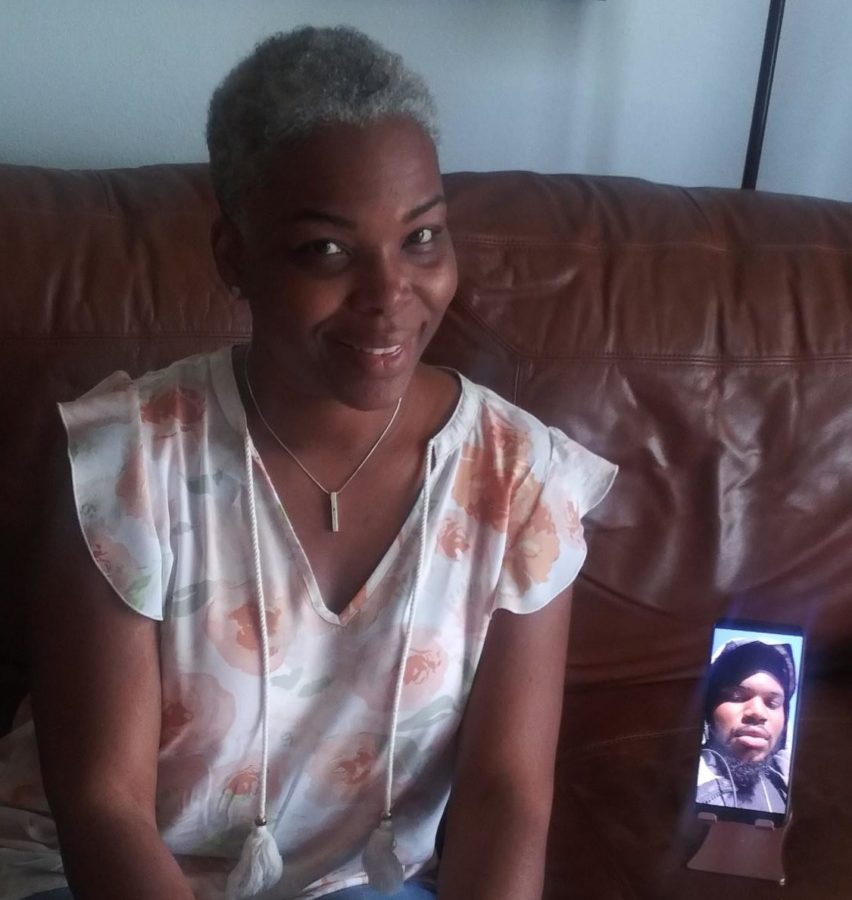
[[623, 826]]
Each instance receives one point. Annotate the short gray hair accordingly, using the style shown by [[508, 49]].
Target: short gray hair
[[293, 84]]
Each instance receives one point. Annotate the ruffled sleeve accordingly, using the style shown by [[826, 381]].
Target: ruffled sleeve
[[120, 501], [545, 546]]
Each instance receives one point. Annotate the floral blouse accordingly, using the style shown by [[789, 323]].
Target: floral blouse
[[160, 486]]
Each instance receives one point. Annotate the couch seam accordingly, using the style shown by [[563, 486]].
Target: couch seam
[[463, 308], [596, 359], [615, 247], [590, 749]]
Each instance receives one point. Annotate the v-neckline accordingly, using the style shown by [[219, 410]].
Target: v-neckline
[[364, 595], [225, 382]]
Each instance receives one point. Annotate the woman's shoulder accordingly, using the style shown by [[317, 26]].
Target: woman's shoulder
[[179, 394], [483, 416], [176, 395], [501, 424], [518, 442], [135, 446], [494, 408], [187, 376]]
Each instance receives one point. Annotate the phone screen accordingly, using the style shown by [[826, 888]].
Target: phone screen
[[752, 695]]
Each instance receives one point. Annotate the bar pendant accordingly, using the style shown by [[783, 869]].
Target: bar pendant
[[332, 496]]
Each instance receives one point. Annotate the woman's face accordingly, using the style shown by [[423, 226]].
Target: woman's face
[[344, 255]]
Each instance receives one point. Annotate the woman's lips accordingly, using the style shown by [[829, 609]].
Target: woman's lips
[[377, 357], [377, 351]]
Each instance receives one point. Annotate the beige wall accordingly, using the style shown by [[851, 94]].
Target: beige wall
[[661, 89]]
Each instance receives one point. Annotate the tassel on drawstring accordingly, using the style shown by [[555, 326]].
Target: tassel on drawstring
[[381, 864], [384, 870], [259, 867]]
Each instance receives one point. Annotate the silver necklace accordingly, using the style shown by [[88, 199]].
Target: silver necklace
[[332, 495]]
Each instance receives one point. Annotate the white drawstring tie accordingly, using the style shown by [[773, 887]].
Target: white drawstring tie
[[260, 865], [382, 865]]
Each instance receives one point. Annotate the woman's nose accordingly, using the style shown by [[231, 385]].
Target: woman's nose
[[381, 286]]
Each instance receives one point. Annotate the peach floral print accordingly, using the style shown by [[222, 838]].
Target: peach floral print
[[237, 785], [231, 622], [425, 668], [131, 488], [116, 562], [197, 713], [248, 635], [239, 790], [573, 525], [179, 407], [343, 767], [451, 539], [245, 783], [532, 547], [486, 473], [175, 716]]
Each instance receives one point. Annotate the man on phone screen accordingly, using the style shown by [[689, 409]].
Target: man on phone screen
[[744, 754]]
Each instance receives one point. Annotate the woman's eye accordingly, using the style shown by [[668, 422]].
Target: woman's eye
[[321, 255], [324, 248], [422, 236]]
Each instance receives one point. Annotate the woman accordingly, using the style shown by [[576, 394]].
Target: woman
[[318, 540]]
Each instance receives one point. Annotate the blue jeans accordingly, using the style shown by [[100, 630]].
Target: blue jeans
[[410, 891], [55, 894]]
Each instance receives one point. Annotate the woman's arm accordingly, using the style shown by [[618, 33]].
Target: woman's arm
[[96, 701], [499, 810]]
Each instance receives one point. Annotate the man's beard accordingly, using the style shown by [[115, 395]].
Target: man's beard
[[744, 774]]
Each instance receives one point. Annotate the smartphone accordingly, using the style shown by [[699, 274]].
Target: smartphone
[[751, 700]]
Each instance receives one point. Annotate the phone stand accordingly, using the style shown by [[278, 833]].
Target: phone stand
[[739, 848]]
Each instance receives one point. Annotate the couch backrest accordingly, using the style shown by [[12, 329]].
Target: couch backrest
[[701, 339]]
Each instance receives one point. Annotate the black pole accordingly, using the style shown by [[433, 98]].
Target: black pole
[[764, 89]]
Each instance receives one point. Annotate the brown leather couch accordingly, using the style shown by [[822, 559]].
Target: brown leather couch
[[701, 339]]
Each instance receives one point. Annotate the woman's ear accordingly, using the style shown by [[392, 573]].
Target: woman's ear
[[227, 244]]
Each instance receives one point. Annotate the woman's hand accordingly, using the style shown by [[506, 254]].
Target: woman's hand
[[499, 810], [96, 700]]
